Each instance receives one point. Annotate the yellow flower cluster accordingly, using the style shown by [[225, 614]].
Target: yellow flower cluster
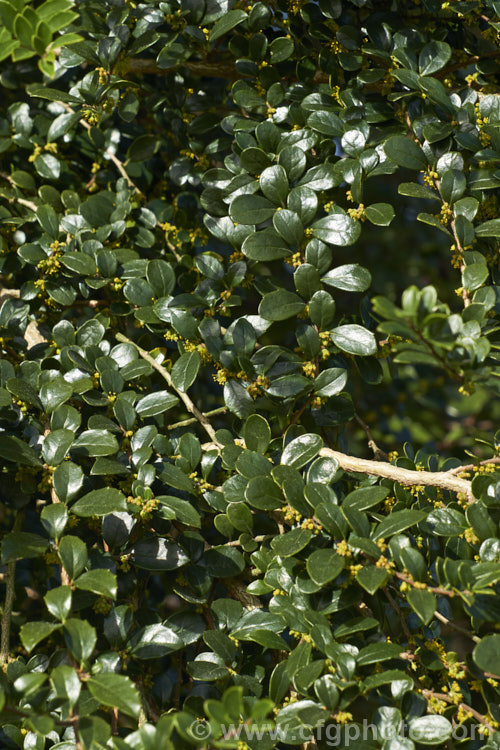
[[454, 692], [318, 402], [446, 214], [258, 386], [294, 6], [383, 562], [309, 369], [221, 376], [343, 549], [201, 484], [343, 717], [456, 258], [23, 407], [470, 536], [358, 214], [310, 524], [436, 705], [46, 481], [191, 346], [146, 507], [37, 150], [91, 116], [295, 260], [429, 177], [389, 503], [291, 514]]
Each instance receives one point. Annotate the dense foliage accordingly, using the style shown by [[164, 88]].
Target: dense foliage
[[251, 287]]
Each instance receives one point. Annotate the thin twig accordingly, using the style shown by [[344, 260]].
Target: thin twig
[[439, 590], [22, 201], [454, 626], [237, 543], [192, 420], [190, 406], [10, 586], [116, 161], [471, 467], [407, 477], [65, 577], [377, 452], [448, 699]]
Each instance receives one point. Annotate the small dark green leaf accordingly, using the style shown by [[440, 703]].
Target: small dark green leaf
[[337, 229], [99, 581], [301, 450], [185, 370], [155, 403], [17, 451], [280, 305], [229, 20], [351, 278], [100, 503], [423, 602], [117, 691], [292, 542], [487, 654], [324, 565], [251, 209], [380, 214], [32, 633], [95, 443], [405, 152], [80, 638], [372, 578], [354, 339], [73, 555]]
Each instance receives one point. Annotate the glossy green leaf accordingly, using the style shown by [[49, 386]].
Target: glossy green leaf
[[301, 450], [350, 278], [423, 602], [280, 305], [155, 403], [185, 370], [100, 503], [116, 691], [405, 153], [354, 339], [324, 565]]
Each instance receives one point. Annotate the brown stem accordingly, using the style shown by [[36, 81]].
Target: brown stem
[[114, 722], [65, 578], [10, 585], [377, 452], [407, 477], [434, 589], [190, 406], [471, 467], [116, 161], [448, 699], [192, 420], [454, 626]]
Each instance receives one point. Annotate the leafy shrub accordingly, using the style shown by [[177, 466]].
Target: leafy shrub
[[250, 346]]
